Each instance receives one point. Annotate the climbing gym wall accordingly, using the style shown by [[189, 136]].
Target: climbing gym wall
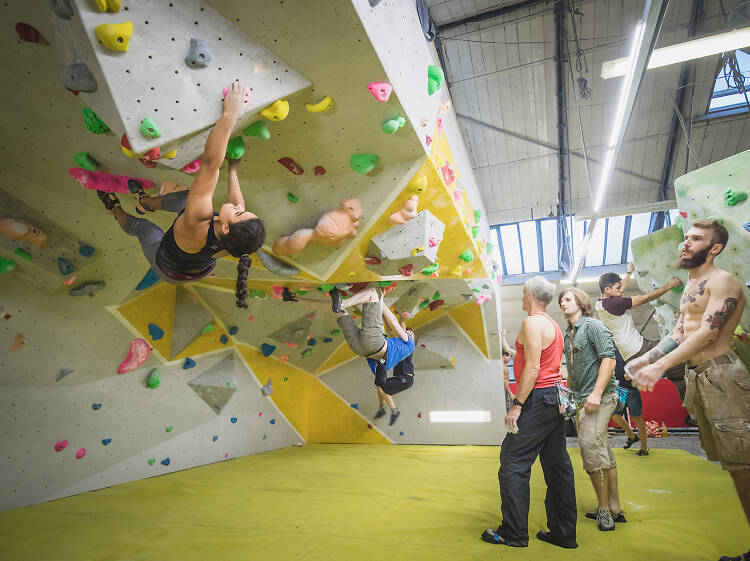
[[109, 374]]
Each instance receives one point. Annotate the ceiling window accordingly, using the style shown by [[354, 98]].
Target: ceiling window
[[729, 95]]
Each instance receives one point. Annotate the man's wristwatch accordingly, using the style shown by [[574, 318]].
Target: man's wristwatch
[[516, 402]]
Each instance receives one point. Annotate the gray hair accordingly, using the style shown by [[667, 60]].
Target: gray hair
[[541, 289]]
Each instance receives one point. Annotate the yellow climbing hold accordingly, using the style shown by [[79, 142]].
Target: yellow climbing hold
[[418, 184], [171, 155], [417, 250], [322, 106], [457, 271], [129, 153], [111, 5], [277, 111], [115, 36]]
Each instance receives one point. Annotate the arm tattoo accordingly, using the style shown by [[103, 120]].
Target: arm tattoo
[[719, 318]]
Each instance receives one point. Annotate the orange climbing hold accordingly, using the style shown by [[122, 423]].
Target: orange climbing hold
[[19, 342]]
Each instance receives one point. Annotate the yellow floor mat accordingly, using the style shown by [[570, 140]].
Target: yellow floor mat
[[385, 503]]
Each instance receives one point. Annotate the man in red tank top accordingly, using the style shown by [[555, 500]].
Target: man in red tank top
[[535, 428]]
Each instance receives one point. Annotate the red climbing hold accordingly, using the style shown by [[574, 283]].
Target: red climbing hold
[[147, 163], [448, 174], [427, 139], [419, 415], [80, 453], [320, 170], [138, 353], [683, 214], [74, 92], [60, 446], [19, 342], [407, 270], [291, 165], [193, 166], [435, 304], [372, 261], [27, 32]]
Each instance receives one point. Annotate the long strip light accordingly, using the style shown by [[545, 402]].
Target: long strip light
[[674, 54]]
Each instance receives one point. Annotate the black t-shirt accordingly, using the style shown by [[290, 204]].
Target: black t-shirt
[[620, 371], [404, 367]]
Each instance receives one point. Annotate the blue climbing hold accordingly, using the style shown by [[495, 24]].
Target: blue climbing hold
[[355, 405], [165, 462], [149, 279], [267, 349], [327, 340], [401, 433], [96, 406], [272, 421], [233, 419], [106, 441], [746, 226], [233, 330], [65, 266], [215, 438], [312, 342], [86, 250], [189, 363], [155, 331], [224, 339]]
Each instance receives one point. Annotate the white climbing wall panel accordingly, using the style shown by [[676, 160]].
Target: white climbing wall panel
[[151, 79]]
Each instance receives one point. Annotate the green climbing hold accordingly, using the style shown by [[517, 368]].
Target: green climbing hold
[[208, 329], [149, 128], [678, 289], [93, 122], [292, 198], [733, 197], [423, 304], [467, 256], [326, 287], [336, 332], [307, 352], [150, 461], [168, 429], [392, 125], [435, 296], [22, 253], [475, 231], [488, 248], [301, 292], [235, 148], [477, 289], [435, 78], [477, 215], [257, 293], [431, 269], [383, 284], [154, 379], [257, 129], [85, 161], [7, 265], [363, 163]]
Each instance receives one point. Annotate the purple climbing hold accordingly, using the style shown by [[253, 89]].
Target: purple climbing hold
[[65, 266], [189, 363], [267, 349], [155, 331], [165, 462], [215, 438], [106, 441], [224, 339], [96, 406], [149, 279], [233, 419], [233, 330]]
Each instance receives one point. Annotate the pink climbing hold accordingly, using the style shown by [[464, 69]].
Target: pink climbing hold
[[100, 181], [193, 166], [380, 90], [427, 139], [251, 318], [440, 125], [457, 194], [482, 298], [278, 292], [372, 260], [291, 345], [448, 174], [319, 170], [248, 94], [434, 241], [147, 163], [60, 446], [407, 270], [80, 453], [138, 353], [291, 165], [683, 214]]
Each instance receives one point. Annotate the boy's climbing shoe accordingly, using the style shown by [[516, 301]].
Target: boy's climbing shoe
[[630, 441], [491, 536], [287, 295], [567, 543], [136, 188], [379, 413], [109, 200], [335, 300], [394, 415], [620, 518]]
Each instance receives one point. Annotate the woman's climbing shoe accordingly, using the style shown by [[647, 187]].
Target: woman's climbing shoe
[[136, 188], [109, 200]]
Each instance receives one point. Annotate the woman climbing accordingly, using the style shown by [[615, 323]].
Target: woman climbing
[[198, 236]]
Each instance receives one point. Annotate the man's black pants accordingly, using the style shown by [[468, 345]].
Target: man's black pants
[[541, 432]]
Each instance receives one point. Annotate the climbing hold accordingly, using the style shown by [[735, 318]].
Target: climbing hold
[[284, 358], [436, 296], [267, 389], [374, 3], [60, 446], [419, 415], [96, 406], [189, 363], [488, 248], [435, 304], [390, 126], [78, 77], [93, 122], [87, 289], [278, 292], [7, 265], [475, 231], [427, 139], [125, 145], [355, 405], [401, 433], [417, 250], [423, 304], [165, 462], [233, 330], [319, 170], [149, 128], [111, 5], [435, 78], [276, 266], [85, 161], [380, 90], [106, 441], [291, 345], [417, 185], [336, 332], [301, 292], [291, 165], [277, 111], [312, 342], [440, 125], [147, 163], [233, 420], [22, 253], [292, 198], [154, 379], [384, 284], [363, 163], [61, 8], [20, 230], [430, 270], [307, 352], [170, 156], [63, 372], [369, 260], [251, 318], [149, 279], [138, 353], [86, 250], [326, 287], [155, 331], [267, 349], [407, 270], [327, 340], [458, 270], [406, 212], [257, 129], [449, 176], [235, 148], [214, 438], [193, 166], [27, 33], [150, 461], [467, 256], [477, 215], [322, 106], [224, 339], [80, 453], [65, 266], [482, 298], [199, 54], [733, 197], [433, 241], [257, 293], [168, 429], [444, 107], [115, 36]]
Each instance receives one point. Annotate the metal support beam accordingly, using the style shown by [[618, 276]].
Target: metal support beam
[[489, 14], [686, 75], [564, 205]]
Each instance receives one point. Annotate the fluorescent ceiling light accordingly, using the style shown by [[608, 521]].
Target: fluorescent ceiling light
[[697, 48], [460, 417], [580, 280]]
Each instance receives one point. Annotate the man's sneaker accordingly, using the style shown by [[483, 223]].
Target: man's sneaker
[[630, 441], [620, 518], [604, 519], [394, 415], [496, 537], [335, 300], [380, 413], [567, 543], [743, 557], [642, 453]]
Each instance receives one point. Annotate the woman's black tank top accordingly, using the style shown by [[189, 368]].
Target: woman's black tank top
[[171, 259]]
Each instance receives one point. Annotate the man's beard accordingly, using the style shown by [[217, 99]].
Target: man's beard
[[695, 261]]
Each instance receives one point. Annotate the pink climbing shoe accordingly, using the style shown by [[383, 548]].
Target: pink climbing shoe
[[137, 354], [22, 231]]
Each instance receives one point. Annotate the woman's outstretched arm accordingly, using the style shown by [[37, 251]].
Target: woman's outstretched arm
[[234, 193]]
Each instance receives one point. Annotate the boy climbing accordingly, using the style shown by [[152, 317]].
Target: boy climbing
[[402, 379], [198, 236]]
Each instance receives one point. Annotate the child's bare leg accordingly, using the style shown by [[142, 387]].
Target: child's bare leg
[[368, 295]]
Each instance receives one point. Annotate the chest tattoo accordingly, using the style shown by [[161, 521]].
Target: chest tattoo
[[692, 295]]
